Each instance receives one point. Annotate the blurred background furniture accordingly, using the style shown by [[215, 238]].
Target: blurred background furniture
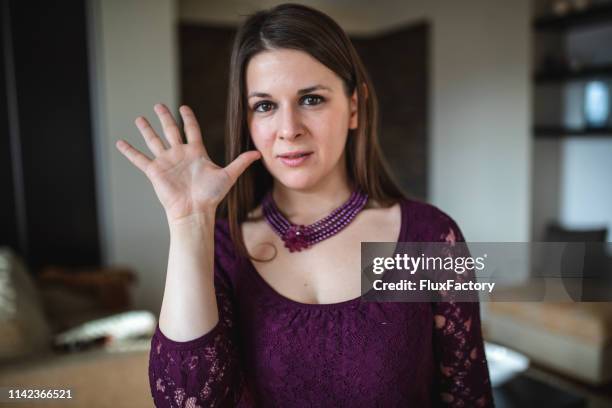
[[574, 339], [33, 313], [570, 343]]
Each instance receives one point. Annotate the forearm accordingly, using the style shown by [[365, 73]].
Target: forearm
[[189, 306]]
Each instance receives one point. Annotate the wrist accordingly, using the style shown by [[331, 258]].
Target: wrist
[[195, 221]]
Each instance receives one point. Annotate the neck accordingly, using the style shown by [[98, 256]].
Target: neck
[[308, 206]]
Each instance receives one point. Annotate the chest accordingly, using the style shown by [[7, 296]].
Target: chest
[[327, 272], [374, 354]]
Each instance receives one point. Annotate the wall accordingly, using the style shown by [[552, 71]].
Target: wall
[[134, 66], [586, 184], [355, 16], [481, 144], [546, 186]]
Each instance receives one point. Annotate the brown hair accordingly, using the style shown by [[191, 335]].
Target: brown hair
[[298, 27]]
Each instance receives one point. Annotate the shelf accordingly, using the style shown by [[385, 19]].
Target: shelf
[[560, 132], [603, 71], [595, 15]]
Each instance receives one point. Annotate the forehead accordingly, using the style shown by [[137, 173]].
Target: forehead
[[286, 69]]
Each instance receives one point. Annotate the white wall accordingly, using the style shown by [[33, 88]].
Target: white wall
[[481, 143], [546, 187], [586, 184], [134, 59]]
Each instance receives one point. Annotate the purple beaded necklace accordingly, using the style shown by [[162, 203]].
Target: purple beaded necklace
[[298, 237]]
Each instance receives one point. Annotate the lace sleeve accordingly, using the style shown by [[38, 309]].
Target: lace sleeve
[[204, 371], [461, 372]]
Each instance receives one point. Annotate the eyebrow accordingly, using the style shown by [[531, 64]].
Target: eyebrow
[[300, 92]]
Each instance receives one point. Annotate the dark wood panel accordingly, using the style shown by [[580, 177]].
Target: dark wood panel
[[596, 15], [398, 62], [205, 54], [52, 82], [8, 212], [559, 132], [566, 75]]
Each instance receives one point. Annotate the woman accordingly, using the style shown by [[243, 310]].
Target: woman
[[261, 307]]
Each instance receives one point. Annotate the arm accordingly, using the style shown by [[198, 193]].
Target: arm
[[188, 307], [193, 353], [462, 375], [461, 371], [200, 368]]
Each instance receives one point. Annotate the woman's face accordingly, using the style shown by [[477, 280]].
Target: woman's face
[[295, 103]]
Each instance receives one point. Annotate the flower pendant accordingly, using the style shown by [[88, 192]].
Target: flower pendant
[[295, 238]]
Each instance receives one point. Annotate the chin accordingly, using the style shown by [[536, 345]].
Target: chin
[[300, 182]]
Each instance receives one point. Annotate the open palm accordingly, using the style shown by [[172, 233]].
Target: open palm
[[185, 179]]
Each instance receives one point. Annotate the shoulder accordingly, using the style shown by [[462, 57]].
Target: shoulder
[[427, 223]]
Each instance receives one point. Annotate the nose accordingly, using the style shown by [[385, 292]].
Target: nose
[[290, 126]]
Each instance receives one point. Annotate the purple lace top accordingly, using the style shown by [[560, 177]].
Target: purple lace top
[[270, 351]]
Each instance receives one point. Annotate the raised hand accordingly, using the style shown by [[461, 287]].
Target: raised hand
[[184, 177]]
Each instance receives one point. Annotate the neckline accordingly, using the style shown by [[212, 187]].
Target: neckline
[[345, 303]]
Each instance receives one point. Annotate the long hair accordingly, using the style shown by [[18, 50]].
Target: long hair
[[298, 27]]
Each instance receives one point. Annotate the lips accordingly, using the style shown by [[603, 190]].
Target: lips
[[293, 155], [295, 159]]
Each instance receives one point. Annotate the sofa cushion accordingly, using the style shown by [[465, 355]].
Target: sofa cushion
[[23, 325], [590, 322]]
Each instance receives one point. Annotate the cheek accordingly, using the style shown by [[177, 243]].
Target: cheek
[[331, 133], [261, 134]]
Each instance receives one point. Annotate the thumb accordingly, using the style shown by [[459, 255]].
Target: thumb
[[240, 164]]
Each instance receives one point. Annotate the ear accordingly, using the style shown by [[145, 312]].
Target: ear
[[353, 105], [365, 90], [354, 118]]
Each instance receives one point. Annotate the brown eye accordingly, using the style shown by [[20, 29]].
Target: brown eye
[[312, 100], [262, 107]]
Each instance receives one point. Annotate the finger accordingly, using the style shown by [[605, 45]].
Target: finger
[[171, 130], [136, 157], [153, 141], [240, 164], [192, 128]]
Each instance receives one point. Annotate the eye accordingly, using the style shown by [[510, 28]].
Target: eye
[[263, 106], [313, 100]]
